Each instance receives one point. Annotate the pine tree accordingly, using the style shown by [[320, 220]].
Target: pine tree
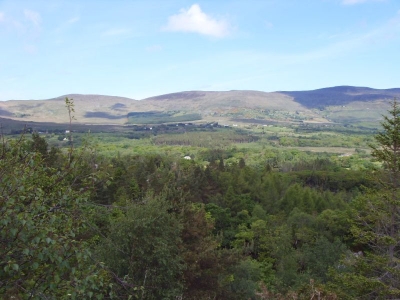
[[388, 149], [375, 273]]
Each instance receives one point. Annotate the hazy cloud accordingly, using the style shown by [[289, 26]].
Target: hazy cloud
[[195, 20], [116, 31], [154, 48], [352, 2], [32, 16], [268, 25], [26, 25], [73, 20], [31, 49], [352, 43], [339, 46]]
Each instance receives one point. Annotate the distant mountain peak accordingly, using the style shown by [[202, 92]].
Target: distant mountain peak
[[340, 95]]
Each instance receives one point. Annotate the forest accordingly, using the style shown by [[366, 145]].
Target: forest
[[202, 213]]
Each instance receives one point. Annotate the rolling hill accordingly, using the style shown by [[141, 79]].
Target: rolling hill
[[343, 104]]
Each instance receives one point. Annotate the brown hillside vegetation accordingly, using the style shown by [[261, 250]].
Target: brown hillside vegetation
[[337, 105]]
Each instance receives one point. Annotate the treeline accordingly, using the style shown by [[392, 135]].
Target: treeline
[[154, 117], [220, 138]]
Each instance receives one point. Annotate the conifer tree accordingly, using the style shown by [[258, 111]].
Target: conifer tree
[[374, 273]]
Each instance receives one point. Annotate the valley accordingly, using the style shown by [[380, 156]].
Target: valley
[[236, 194]]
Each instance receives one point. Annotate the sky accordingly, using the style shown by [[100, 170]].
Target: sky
[[139, 49]]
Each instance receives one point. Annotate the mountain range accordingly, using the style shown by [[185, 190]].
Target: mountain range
[[342, 104]]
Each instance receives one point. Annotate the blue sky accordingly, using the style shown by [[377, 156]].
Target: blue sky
[[139, 49]]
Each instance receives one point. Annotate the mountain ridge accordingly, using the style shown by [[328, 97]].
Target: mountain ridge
[[341, 95], [341, 104]]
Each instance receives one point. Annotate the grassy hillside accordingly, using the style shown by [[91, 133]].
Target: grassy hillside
[[345, 105]]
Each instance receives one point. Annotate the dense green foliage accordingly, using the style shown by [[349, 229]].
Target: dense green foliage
[[374, 272], [254, 221], [43, 224]]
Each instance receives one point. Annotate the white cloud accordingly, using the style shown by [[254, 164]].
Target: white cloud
[[352, 2], [2, 18], [33, 17], [195, 20]]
